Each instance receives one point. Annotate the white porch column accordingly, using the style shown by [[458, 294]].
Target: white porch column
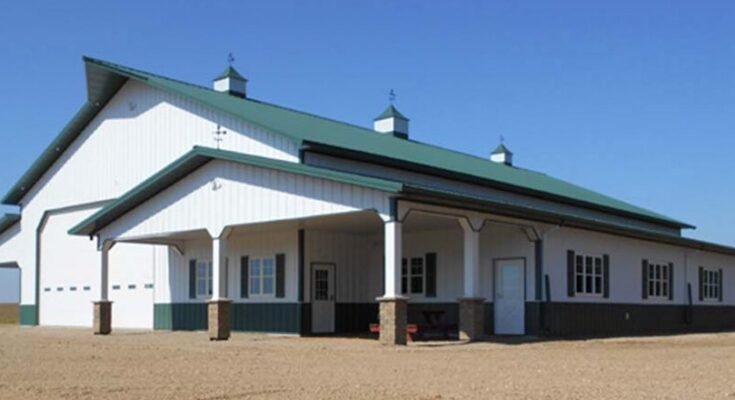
[[102, 320], [471, 306], [393, 257], [471, 260], [105, 274], [393, 306], [219, 285], [219, 306]]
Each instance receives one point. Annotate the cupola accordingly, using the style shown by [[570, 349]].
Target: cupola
[[392, 122], [502, 155], [230, 81]]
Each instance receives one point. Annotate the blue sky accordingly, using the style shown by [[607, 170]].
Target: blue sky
[[635, 99]]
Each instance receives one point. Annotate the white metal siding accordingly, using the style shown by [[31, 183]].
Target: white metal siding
[[265, 244], [136, 134], [626, 256]]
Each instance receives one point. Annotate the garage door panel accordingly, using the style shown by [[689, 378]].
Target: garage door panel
[[70, 276], [131, 279], [69, 273]]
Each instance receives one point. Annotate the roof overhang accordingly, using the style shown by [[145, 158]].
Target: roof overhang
[[428, 195], [403, 165], [198, 157], [7, 221]]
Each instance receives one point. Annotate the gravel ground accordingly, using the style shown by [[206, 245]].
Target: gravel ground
[[73, 363]]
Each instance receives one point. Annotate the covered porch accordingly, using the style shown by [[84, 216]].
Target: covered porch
[[275, 247]]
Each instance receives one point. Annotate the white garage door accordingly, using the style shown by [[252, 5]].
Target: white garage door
[[70, 276], [69, 273], [131, 285]]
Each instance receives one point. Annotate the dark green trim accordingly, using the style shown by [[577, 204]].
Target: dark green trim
[[195, 159], [302, 264], [28, 314], [7, 221], [246, 317], [609, 319], [538, 257]]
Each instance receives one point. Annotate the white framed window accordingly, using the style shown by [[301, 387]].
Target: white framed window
[[710, 284], [413, 275], [659, 280], [203, 279], [262, 277], [588, 275]]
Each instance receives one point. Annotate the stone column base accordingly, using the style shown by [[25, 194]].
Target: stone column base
[[393, 320], [102, 317], [219, 319], [471, 318]]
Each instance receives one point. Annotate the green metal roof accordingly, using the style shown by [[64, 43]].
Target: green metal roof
[[501, 149], [230, 72], [196, 158], [390, 112], [8, 220], [104, 78]]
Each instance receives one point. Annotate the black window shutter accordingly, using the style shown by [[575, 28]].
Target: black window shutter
[[701, 283], [192, 279], [606, 276], [671, 281], [244, 276], [431, 275], [570, 273], [719, 283], [280, 276], [644, 279]]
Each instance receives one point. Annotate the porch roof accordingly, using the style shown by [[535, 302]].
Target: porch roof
[[105, 78], [8, 220], [198, 157]]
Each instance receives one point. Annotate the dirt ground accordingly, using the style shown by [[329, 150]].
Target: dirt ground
[[73, 363], [8, 313]]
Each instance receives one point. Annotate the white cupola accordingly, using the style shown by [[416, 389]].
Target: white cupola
[[392, 122], [502, 155], [230, 81]]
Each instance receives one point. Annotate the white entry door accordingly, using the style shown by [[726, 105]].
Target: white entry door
[[509, 297], [322, 298]]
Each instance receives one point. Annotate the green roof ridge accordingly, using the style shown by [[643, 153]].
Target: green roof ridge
[[390, 112]]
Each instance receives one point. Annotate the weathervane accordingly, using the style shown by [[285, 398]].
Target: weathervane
[[218, 135], [230, 59], [391, 96], [502, 139]]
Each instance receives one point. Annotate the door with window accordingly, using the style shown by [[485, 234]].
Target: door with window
[[510, 297], [322, 298]]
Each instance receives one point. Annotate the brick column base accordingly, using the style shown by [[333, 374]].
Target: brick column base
[[219, 319], [393, 320], [471, 318], [102, 317]]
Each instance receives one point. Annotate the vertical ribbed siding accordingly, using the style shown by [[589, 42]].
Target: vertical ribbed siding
[[192, 204]]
